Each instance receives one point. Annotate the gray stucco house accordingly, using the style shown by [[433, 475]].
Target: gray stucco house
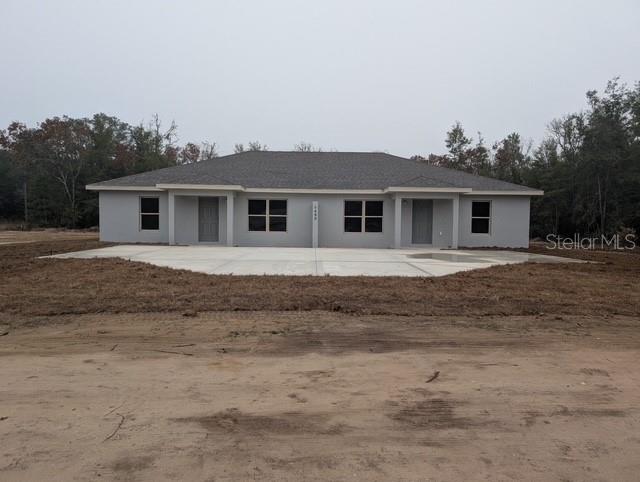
[[314, 199]]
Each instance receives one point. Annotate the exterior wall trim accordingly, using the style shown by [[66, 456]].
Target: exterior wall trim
[[428, 189], [94, 187], [391, 189], [213, 187], [505, 193], [312, 191]]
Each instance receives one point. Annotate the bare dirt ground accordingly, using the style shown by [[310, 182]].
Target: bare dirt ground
[[18, 237], [113, 370], [31, 287], [319, 396]]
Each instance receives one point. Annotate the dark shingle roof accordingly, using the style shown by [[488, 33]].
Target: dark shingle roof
[[314, 170]]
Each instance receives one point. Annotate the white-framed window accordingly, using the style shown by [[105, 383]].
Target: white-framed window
[[149, 213], [269, 215], [480, 217], [363, 216]]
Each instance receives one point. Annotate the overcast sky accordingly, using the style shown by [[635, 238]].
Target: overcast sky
[[343, 74]]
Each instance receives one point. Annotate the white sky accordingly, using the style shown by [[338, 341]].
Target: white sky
[[350, 75]]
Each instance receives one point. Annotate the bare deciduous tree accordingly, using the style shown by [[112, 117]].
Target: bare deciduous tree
[[208, 151], [189, 154], [306, 147], [251, 146], [256, 146], [64, 145]]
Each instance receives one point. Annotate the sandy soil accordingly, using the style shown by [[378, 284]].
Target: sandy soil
[[316, 395], [112, 370]]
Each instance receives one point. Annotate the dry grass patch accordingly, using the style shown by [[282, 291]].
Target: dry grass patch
[[42, 287]]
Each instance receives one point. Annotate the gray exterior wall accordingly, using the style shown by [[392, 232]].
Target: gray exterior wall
[[298, 232], [299, 223], [119, 220], [187, 220], [442, 222], [509, 222], [120, 217], [331, 224]]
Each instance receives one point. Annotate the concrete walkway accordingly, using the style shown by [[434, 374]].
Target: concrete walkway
[[316, 262]]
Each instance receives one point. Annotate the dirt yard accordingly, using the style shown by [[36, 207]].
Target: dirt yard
[[32, 288], [319, 396], [121, 371], [19, 237]]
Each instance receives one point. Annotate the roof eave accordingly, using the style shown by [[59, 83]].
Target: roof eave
[[524, 192], [208, 187], [427, 189], [106, 187], [391, 189], [164, 187]]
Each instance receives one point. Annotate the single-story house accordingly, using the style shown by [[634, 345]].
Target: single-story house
[[314, 199]]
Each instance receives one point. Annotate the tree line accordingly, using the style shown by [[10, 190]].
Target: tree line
[[44, 169], [588, 164]]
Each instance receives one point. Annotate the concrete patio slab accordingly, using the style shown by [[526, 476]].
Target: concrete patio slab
[[313, 262]]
